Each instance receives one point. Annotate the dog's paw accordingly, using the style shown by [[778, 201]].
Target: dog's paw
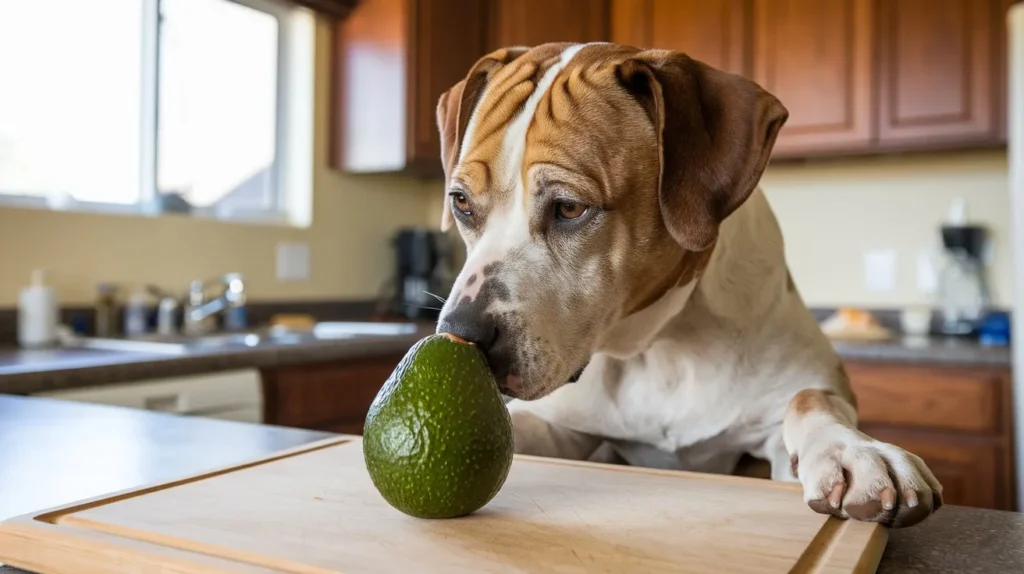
[[860, 478]]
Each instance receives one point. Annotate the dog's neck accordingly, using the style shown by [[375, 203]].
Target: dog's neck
[[634, 333]]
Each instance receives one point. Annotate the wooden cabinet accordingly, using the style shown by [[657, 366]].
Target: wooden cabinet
[[858, 76], [533, 22], [713, 31], [939, 71], [332, 396], [958, 419], [816, 57], [393, 60]]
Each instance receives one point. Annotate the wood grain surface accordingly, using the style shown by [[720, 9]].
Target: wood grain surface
[[313, 510]]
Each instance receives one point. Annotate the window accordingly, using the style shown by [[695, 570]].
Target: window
[[158, 106]]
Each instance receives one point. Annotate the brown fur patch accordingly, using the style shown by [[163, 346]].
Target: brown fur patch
[[810, 400], [651, 288]]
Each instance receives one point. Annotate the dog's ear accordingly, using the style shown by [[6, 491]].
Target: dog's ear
[[716, 133], [455, 107]]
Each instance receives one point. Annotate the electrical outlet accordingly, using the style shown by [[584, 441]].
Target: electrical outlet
[[880, 270], [292, 261]]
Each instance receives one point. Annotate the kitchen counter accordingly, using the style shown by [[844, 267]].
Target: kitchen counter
[[934, 350], [53, 453], [25, 372]]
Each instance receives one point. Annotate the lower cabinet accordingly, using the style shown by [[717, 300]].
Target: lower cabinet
[[958, 419], [333, 396]]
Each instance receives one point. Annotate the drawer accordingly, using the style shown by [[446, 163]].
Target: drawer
[[308, 395], [937, 397]]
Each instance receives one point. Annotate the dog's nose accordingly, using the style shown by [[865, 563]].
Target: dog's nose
[[470, 322]]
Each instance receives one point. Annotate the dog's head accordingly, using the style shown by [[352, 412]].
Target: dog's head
[[587, 181]]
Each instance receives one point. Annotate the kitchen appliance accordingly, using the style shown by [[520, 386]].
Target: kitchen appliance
[[424, 272], [963, 286], [1015, 131], [315, 509]]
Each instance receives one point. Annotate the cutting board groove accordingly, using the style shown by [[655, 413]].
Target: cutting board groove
[[313, 510]]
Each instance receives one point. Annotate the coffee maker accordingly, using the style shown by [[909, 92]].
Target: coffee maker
[[424, 269], [963, 287]]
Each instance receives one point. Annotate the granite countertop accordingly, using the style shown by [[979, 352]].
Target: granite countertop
[[53, 453], [938, 350]]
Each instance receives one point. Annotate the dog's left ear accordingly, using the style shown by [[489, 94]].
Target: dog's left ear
[[716, 133]]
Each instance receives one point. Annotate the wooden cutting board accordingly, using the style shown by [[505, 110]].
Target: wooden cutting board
[[313, 510]]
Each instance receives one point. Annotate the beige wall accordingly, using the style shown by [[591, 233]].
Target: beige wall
[[832, 211], [353, 220]]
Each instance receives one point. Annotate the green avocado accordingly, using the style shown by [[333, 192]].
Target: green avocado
[[438, 439]]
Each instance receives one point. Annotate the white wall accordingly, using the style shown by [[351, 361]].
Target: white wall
[[831, 212]]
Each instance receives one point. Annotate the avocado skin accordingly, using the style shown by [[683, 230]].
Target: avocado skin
[[438, 439]]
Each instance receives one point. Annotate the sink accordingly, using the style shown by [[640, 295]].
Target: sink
[[183, 343]]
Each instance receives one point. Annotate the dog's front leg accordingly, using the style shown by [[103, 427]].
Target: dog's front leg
[[538, 437], [848, 474]]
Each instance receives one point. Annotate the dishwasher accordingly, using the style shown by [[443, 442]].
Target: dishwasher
[[229, 395]]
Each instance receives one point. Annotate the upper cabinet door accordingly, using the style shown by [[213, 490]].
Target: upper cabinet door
[[533, 22], [937, 71], [440, 56], [712, 31], [816, 57], [394, 59]]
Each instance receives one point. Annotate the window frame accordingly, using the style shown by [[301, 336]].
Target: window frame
[[286, 123]]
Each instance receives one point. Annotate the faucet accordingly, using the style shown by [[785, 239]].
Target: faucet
[[199, 311]]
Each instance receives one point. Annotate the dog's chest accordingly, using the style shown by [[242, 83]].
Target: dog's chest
[[668, 398]]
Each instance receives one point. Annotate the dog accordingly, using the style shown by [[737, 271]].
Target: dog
[[625, 276]]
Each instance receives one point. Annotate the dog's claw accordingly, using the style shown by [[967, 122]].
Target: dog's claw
[[911, 497], [835, 498], [889, 499]]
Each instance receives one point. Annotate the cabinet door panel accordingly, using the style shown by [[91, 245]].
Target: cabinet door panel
[[937, 61], [712, 31], [441, 55], [972, 472], [533, 22], [816, 57], [306, 396]]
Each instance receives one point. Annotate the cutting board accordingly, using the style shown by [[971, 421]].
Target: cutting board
[[313, 510]]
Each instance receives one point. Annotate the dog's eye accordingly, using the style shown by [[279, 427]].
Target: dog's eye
[[567, 210], [460, 202]]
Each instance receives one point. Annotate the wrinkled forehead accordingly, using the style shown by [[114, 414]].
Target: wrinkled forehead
[[532, 112]]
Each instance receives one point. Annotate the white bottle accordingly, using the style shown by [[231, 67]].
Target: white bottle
[[135, 315], [37, 313]]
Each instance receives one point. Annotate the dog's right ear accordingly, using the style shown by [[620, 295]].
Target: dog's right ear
[[455, 107], [716, 131]]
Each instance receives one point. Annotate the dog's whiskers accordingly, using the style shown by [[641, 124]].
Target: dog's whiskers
[[438, 297]]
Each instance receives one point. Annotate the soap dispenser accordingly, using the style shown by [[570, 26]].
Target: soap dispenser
[[37, 313]]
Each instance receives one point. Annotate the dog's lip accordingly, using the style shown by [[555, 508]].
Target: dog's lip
[[510, 384]]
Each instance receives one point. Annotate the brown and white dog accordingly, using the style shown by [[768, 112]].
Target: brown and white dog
[[617, 237]]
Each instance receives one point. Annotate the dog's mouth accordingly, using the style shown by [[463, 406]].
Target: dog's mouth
[[511, 384]]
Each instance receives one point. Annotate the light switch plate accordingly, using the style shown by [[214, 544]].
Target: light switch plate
[[292, 261], [880, 270]]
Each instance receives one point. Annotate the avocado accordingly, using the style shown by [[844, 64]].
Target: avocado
[[438, 439]]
